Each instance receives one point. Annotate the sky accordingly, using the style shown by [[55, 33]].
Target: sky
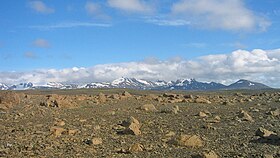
[[80, 41]]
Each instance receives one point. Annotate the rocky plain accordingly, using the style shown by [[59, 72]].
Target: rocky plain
[[130, 123]]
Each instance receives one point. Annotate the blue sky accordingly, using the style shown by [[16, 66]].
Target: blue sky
[[44, 35]]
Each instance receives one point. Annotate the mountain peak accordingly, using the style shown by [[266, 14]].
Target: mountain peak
[[133, 83], [246, 84]]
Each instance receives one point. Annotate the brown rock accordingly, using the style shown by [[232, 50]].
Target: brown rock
[[132, 129], [60, 123], [170, 95], [245, 116], [268, 156], [202, 114], [148, 107], [275, 112], [3, 107], [57, 131], [72, 131], [126, 94], [172, 109], [264, 133], [202, 101], [210, 154], [132, 126], [188, 96], [192, 141], [96, 141], [114, 96], [102, 98], [135, 148]]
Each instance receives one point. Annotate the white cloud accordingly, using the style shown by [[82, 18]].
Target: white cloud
[[66, 25], [42, 43], [92, 8], [41, 7], [256, 65], [134, 6], [219, 14], [95, 10], [163, 21], [30, 55]]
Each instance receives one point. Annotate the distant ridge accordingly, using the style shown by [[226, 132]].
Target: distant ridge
[[133, 83], [245, 84]]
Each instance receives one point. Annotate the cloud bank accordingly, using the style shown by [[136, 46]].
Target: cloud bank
[[134, 6], [219, 14], [40, 7], [256, 65]]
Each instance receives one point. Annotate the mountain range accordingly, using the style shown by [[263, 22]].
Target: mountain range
[[140, 84]]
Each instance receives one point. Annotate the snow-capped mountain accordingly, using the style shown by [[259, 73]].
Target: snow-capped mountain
[[192, 84], [245, 84], [3, 86], [133, 83], [21, 86], [55, 85], [96, 85]]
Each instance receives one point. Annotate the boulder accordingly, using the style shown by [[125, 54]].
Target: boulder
[[274, 112], [57, 131], [264, 133], [210, 154], [96, 141], [245, 116], [148, 108], [202, 101], [135, 148], [132, 126], [102, 98], [192, 141], [171, 109]]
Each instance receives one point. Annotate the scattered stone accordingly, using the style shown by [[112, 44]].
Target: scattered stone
[[188, 96], [114, 96], [102, 98], [202, 101], [217, 118], [135, 148], [57, 131], [245, 116], [170, 95], [264, 133], [172, 109], [9, 99], [274, 112], [132, 126], [73, 131], [60, 123], [3, 107], [192, 141], [96, 141], [97, 127], [210, 154], [148, 108], [268, 156], [126, 94], [202, 114], [170, 134]]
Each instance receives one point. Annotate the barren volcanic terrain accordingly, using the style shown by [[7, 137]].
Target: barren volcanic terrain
[[129, 123]]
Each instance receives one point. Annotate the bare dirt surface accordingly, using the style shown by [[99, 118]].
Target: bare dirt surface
[[118, 123]]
